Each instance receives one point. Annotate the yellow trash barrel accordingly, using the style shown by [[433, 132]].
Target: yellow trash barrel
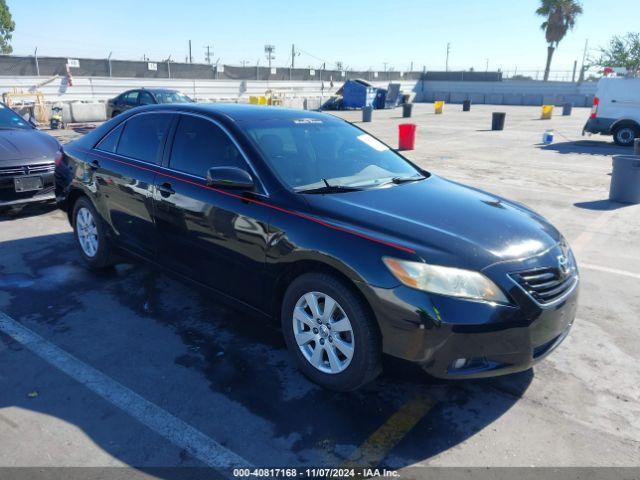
[[439, 105], [547, 112]]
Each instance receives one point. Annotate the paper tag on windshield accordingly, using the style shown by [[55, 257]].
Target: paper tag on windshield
[[373, 143], [307, 120]]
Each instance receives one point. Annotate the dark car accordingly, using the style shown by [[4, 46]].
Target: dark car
[[27, 158], [304, 217], [144, 96]]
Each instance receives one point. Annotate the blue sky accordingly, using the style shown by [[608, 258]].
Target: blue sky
[[359, 33]]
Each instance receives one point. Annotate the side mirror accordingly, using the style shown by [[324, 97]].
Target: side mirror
[[230, 177]]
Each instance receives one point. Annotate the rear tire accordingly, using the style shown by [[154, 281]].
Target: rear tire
[[90, 235], [624, 135], [347, 337]]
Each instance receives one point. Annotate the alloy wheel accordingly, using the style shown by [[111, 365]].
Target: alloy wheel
[[323, 332], [87, 232]]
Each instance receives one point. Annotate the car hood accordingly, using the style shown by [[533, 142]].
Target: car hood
[[444, 222], [25, 146]]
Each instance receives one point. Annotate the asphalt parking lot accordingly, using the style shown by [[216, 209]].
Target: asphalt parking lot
[[131, 367]]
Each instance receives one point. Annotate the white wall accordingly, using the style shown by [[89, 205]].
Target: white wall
[[508, 92], [103, 88]]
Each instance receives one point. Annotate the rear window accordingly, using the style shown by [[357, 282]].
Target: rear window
[[143, 136], [130, 98]]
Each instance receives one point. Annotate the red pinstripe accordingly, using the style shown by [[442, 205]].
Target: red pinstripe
[[263, 204]]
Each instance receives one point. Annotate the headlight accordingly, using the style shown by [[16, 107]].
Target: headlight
[[450, 281]]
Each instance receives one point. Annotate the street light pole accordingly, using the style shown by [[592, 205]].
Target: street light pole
[[584, 58], [35, 54], [447, 61]]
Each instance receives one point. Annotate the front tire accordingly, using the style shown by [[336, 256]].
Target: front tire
[[625, 135], [330, 332], [89, 232]]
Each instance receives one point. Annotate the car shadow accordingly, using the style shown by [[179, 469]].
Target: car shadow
[[236, 355], [586, 147], [27, 210], [601, 205]]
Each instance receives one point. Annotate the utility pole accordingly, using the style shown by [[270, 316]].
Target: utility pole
[[109, 62], [207, 56], [487, 66], [584, 59], [190, 57], [575, 66], [293, 56], [446, 68], [411, 67], [269, 49]]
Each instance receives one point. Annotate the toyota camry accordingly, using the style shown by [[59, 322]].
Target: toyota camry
[[303, 217]]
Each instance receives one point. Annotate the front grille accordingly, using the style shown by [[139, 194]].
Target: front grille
[[36, 169], [546, 284]]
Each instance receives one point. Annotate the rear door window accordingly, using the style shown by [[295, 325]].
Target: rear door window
[[200, 145], [146, 98], [143, 136]]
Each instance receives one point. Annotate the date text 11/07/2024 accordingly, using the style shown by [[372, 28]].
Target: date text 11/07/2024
[[314, 472]]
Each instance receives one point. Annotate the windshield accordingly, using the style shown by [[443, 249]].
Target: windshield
[[172, 97], [312, 153], [10, 119]]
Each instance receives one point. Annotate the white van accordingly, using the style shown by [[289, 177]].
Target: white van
[[616, 110]]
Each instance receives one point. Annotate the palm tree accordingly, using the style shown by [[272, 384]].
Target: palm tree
[[560, 18]]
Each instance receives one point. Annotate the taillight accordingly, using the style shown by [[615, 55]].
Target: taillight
[[58, 158], [594, 108]]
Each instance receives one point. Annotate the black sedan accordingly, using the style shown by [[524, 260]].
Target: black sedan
[[27, 158], [144, 96], [304, 217]]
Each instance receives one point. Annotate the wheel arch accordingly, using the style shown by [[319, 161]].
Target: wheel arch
[[308, 265], [71, 200], [625, 122]]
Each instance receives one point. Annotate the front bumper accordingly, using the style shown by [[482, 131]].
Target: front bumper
[[456, 338], [9, 196]]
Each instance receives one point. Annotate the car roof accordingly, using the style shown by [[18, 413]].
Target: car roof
[[242, 112], [161, 90]]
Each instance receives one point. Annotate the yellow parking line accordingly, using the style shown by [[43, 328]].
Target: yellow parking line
[[587, 235], [383, 440]]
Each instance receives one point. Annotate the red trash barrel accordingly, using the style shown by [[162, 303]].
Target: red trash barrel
[[407, 136]]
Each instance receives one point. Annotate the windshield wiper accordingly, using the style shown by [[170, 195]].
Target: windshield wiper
[[329, 188], [413, 178]]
